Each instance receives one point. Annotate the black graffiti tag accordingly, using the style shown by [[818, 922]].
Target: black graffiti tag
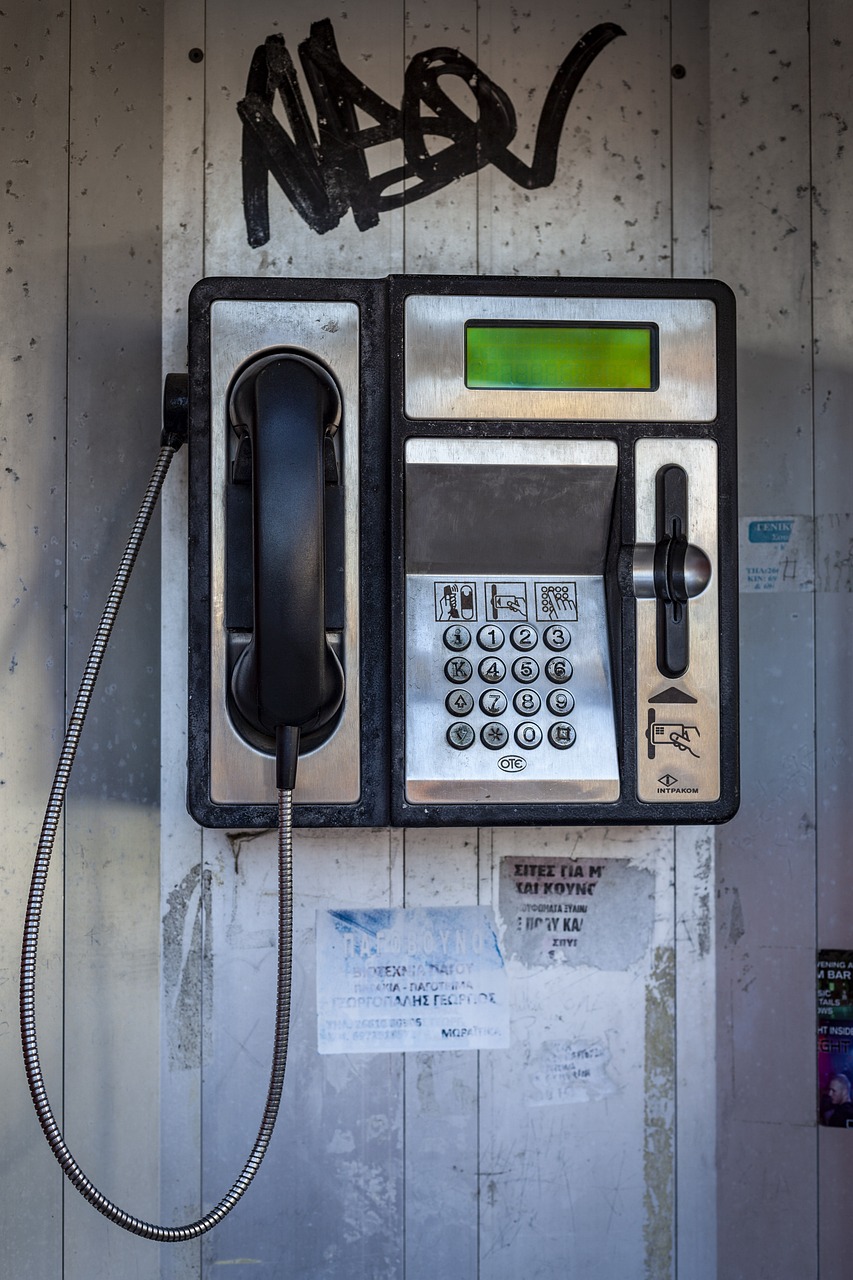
[[325, 173]]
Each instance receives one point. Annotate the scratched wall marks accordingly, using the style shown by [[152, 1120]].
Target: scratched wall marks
[[326, 173]]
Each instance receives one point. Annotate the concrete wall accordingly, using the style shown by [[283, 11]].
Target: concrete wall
[[699, 1155]]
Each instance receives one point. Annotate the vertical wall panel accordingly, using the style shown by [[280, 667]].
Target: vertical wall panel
[[761, 245], [33, 136], [832, 213], [112, 830], [185, 885]]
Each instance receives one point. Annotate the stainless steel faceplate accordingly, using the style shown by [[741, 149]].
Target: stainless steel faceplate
[[678, 721], [435, 359], [239, 331], [501, 616]]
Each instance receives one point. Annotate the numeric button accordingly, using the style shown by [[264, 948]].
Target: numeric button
[[490, 638], [493, 702], [528, 735], [558, 670], [523, 637], [492, 670], [527, 702], [525, 670], [557, 638], [560, 702]]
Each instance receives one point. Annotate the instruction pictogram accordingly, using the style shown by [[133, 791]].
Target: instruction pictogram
[[506, 600], [455, 602], [666, 734], [556, 602]]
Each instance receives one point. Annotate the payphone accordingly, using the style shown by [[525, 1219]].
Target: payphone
[[474, 537], [462, 551]]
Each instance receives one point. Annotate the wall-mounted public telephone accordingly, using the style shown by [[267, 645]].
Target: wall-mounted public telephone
[[476, 538]]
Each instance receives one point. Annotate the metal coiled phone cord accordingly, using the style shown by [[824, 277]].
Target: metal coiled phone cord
[[43, 1108]]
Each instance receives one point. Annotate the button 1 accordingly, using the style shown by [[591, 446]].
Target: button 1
[[525, 670], [528, 735], [459, 702], [494, 736], [562, 735], [560, 702], [458, 670], [557, 638], [523, 637], [493, 702], [490, 638], [457, 638], [558, 670], [527, 702], [460, 735], [492, 670]]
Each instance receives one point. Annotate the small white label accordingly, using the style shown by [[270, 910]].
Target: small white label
[[776, 553], [400, 980]]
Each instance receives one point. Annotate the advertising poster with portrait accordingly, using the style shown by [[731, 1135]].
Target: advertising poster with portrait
[[835, 1038]]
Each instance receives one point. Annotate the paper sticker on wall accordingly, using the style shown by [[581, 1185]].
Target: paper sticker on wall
[[776, 553], [404, 980], [560, 1071], [576, 911], [835, 1038]]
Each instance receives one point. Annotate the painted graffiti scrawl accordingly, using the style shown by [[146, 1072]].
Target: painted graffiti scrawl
[[324, 172]]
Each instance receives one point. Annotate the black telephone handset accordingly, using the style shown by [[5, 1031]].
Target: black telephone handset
[[285, 409]]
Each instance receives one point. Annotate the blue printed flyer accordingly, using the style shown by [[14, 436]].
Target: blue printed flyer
[[835, 1038]]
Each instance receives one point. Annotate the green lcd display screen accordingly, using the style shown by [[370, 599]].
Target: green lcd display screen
[[560, 357]]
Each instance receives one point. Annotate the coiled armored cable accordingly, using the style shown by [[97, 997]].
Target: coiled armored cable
[[55, 803]]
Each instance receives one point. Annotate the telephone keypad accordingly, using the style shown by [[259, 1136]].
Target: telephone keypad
[[493, 701]]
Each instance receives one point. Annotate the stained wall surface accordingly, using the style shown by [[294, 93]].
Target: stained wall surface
[[655, 1113]]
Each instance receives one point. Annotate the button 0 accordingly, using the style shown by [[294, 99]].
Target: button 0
[[557, 638], [523, 637], [457, 638], [528, 735], [558, 670], [460, 735], [458, 670], [494, 736], [492, 670], [562, 735], [459, 702]]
